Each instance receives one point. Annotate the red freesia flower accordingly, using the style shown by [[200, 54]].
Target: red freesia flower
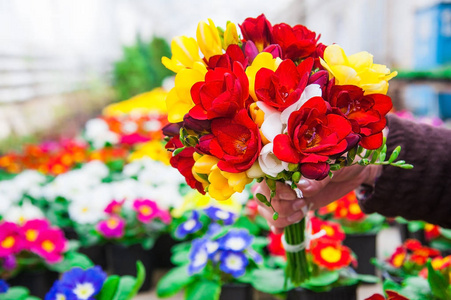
[[233, 53], [296, 42], [275, 246], [184, 163], [333, 230], [235, 141], [283, 87], [365, 112], [223, 93], [330, 254], [258, 30], [313, 136]]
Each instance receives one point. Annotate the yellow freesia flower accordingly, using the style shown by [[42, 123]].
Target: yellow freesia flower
[[185, 52], [231, 35], [262, 60], [208, 39], [221, 185], [153, 149], [357, 69], [144, 104], [178, 100]]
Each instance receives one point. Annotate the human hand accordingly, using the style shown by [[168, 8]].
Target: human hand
[[318, 193]]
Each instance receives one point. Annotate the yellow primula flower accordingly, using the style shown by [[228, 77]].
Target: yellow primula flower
[[262, 60], [357, 69], [185, 53], [221, 185], [208, 39], [230, 35], [179, 100], [153, 149], [143, 104]]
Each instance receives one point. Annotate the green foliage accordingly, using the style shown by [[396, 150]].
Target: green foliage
[[174, 281], [203, 289], [140, 69], [439, 284], [71, 259], [17, 293]]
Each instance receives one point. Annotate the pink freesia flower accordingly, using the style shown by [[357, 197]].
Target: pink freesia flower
[[31, 230], [113, 227], [146, 209], [11, 241], [114, 207], [50, 245]]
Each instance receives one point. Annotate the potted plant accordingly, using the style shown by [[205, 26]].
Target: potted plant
[[432, 282], [216, 266], [361, 229], [332, 277], [406, 261], [93, 283], [32, 254]]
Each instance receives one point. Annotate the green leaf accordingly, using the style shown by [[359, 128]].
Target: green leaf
[[180, 257], [72, 259], [244, 222], [438, 282], [407, 166], [367, 278], [203, 289], [324, 279], [446, 233], [125, 287], [140, 277], [15, 293], [109, 288], [415, 225], [173, 281], [269, 281]]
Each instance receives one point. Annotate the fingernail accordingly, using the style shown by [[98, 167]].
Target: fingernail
[[303, 183], [298, 205], [273, 229], [296, 217]]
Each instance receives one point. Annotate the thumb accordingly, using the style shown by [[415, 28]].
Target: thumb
[[310, 187]]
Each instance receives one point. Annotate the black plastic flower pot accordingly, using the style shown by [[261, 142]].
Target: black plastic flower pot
[[237, 291], [406, 234], [122, 261], [337, 293], [97, 254], [364, 247], [162, 251], [38, 282]]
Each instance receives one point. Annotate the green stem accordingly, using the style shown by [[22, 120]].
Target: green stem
[[297, 270]]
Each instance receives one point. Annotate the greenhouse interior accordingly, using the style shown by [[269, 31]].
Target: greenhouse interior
[[244, 150]]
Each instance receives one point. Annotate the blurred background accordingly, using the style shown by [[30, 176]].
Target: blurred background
[[61, 61]]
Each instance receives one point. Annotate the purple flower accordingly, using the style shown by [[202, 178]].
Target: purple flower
[[217, 214], [3, 286], [233, 263], [9, 262], [236, 240], [192, 225]]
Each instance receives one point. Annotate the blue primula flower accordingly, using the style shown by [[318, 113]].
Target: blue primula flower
[[217, 214], [236, 240], [3, 286], [233, 263], [60, 292], [198, 256], [83, 284], [192, 225]]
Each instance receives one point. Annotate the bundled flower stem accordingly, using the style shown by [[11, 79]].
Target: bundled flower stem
[[297, 269]]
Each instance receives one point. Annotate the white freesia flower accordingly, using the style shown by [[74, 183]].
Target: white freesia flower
[[20, 214], [310, 91], [99, 134], [269, 163]]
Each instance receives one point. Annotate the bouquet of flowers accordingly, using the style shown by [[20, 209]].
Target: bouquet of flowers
[[272, 104]]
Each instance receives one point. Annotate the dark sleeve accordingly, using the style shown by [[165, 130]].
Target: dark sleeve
[[424, 192]]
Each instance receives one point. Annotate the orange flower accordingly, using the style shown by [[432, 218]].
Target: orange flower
[[398, 257], [412, 244], [330, 254], [333, 230], [420, 256], [431, 231]]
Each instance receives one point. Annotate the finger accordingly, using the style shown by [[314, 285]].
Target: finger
[[284, 208], [281, 222], [311, 187]]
